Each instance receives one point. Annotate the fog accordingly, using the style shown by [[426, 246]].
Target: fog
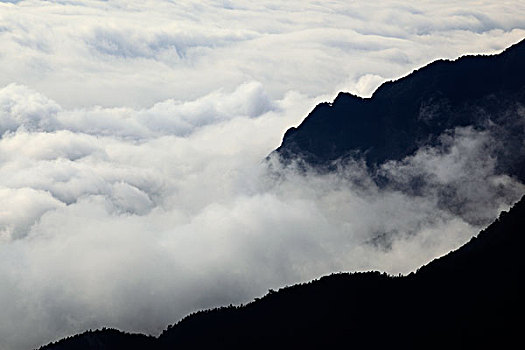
[[133, 182]]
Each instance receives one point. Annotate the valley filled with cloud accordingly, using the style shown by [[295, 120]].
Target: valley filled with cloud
[[134, 184]]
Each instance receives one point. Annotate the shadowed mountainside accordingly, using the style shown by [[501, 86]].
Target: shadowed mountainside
[[485, 92], [472, 297]]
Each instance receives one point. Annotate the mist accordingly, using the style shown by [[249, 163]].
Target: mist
[[134, 184]]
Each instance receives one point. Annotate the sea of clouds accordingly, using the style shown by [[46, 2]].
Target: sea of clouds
[[133, 135]]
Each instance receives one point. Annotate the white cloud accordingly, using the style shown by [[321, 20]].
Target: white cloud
[[137, 53], [26, 205], [19, 106], [132, 183]]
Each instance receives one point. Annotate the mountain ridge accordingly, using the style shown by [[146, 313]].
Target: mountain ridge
[[402, 115]]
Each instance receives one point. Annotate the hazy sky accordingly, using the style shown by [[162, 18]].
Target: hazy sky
[[132, 183]]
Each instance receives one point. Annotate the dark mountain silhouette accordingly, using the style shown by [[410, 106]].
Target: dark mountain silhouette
[[470, 298], [485, 92], [105, 339]]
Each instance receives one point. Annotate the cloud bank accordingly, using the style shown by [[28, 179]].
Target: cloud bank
[[133, 186], [137, 53]]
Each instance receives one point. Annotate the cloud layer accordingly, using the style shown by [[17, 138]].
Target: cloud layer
[[132, 183], [137, 53]]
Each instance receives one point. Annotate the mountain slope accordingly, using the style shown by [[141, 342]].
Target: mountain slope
[[485, 92], [105, 339], [470, 298]]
